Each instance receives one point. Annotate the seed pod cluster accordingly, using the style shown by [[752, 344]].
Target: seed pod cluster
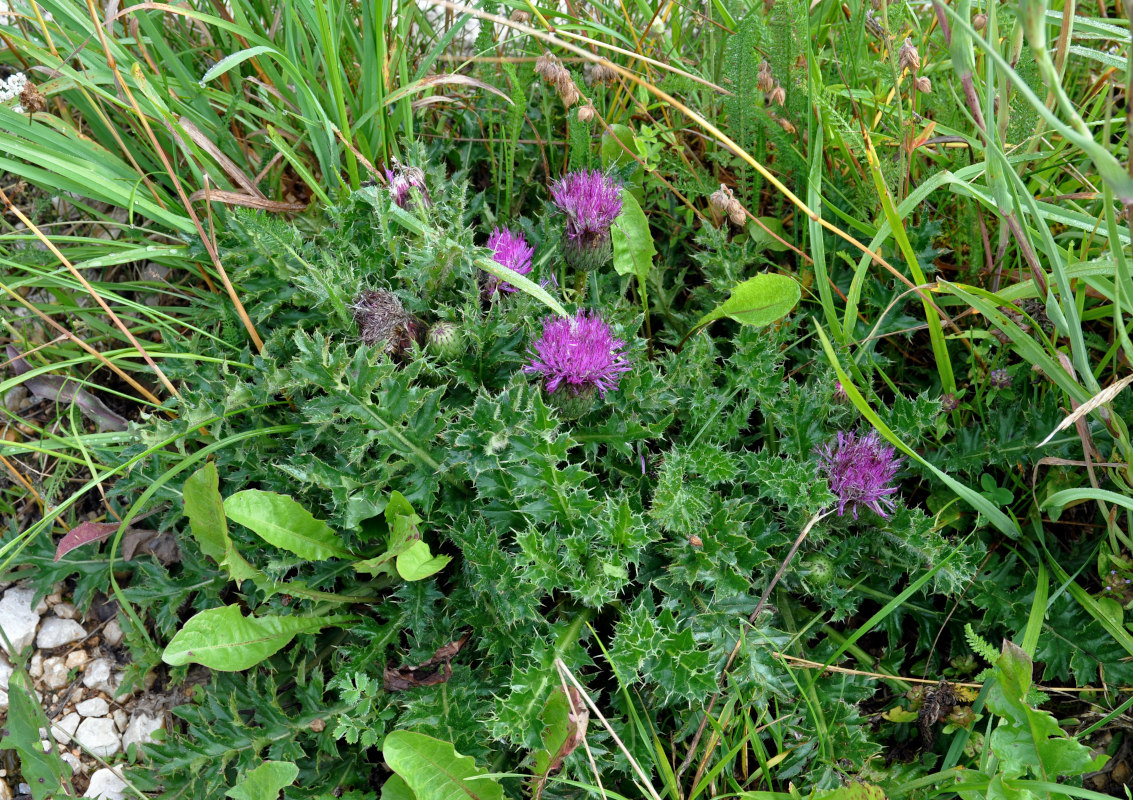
[[724, 202], [552, 71], [908, 58], [602, 72], [767, 84]]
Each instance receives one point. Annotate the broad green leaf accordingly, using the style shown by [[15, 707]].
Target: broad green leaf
[[265, 782], [43, 772], [281, 521], [433, 769], [758, 301], [233, 60], [402, 521], [395, 788], [205, 509], [613, 154], [853, 791], [417, 562], [633, 241], [224, 639], [762, 234]]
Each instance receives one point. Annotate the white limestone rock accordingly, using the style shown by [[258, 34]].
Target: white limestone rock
[[112, 633], [105, 784], [64, 729], [141, 730], [98, 736], [95, 707], [55, 672], [18, 618], [57, 632]]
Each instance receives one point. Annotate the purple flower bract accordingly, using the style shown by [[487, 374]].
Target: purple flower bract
[[511, 250], [860, 471], [590, 200], [579, 352]]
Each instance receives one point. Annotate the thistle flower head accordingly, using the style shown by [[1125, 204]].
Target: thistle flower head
[[403, 180], [860, 471], [382, 319], [578, 355], [590, 201], [509, 249]]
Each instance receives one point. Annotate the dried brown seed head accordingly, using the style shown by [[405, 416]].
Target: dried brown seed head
[[603, 73], [548, 67], [786, 125], [381, 317], [721, 199], [979, 21], [778, 95], [32, 99], [586, 113], [764, 79], [908, 57], [923, 84], [522, 17], [736, 213]]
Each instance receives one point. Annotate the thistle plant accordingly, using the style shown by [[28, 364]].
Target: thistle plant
[[578, 357], [860, 471], [590, 201], [509, 249]]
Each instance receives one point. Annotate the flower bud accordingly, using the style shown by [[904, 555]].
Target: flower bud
[[908, 57], [520, 16], [923, 84], [979, 21], [445, 341], [949, 403]]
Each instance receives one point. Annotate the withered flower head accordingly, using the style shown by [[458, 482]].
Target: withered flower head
[[381, 317], [908, 57]]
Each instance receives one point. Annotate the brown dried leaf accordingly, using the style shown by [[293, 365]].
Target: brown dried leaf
[[436, 670]]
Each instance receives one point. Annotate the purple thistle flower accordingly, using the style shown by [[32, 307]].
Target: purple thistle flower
[[512, 251], [591, 201], [579, 354], [860, 471]]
